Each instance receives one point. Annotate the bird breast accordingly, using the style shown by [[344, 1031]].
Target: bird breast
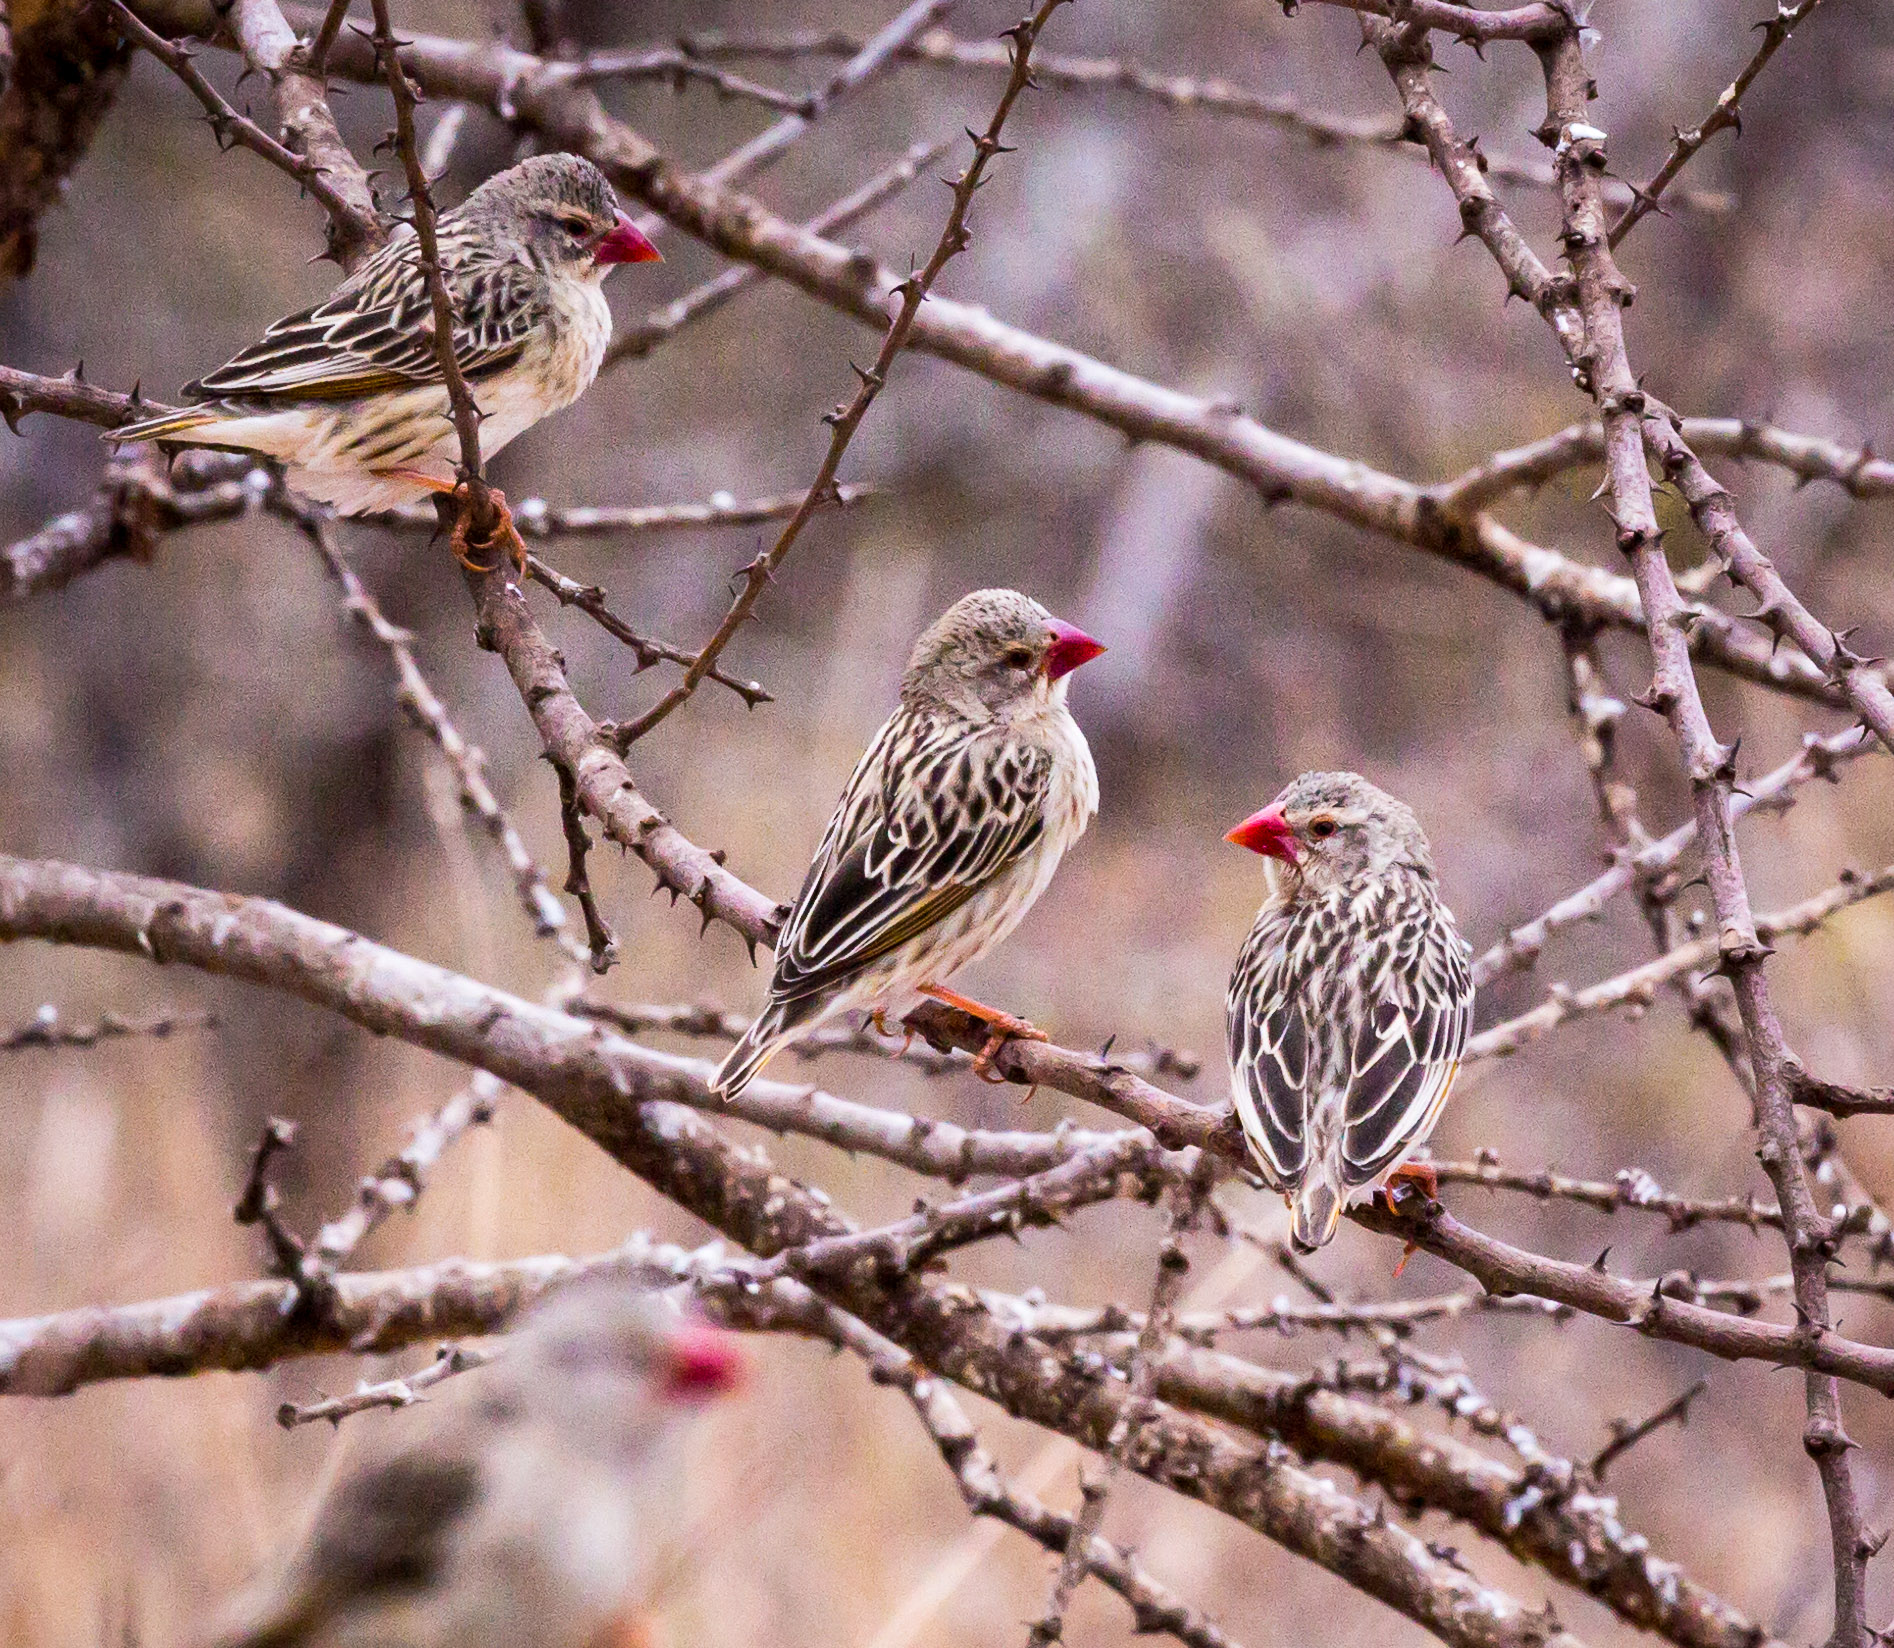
[[553, 371]]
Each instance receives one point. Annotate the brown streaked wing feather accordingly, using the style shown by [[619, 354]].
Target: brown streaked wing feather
[[374, 332], [1270, 1047], [1408, 1047], [933, 812]]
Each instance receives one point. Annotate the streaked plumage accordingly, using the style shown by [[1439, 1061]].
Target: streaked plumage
[[1351, 1001], [534, 1503], [951, 826], [351, 390]]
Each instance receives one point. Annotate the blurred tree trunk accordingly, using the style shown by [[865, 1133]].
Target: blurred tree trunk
[[67, 62]]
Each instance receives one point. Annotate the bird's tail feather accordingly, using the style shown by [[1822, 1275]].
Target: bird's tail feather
[[1313, 1215], [751, 1053], [167, 426]]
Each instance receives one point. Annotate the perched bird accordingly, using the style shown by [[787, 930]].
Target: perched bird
[[349, 395], [530, 1504], [949, 829], [1351, 1000]]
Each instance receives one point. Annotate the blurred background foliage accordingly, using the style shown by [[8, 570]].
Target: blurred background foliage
[[210, 717]]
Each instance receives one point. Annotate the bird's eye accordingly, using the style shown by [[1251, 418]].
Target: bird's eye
[[1018, 657], [575, 225], [1322, 828]]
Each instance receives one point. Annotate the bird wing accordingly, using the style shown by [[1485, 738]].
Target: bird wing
[[1269, 1045], [375, 331], [1412, 1029], [935, 810], [1381, 1012], [384, 1528]]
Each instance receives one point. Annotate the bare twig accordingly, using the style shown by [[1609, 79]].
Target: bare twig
[[845, 420], [308, 126], [402, 1392], [478, 511], [1837, 1098], [636, 342], [1181, 93], [536, 518], [48, 1030], [679, 68], [399, 1180], [649, 652], [1631, 1187], [466, 761], [1627, 1434], [1856, 470], [598, 933], [1725, 115], [257, 1205]]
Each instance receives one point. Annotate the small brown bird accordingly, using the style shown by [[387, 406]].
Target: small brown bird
[[349, 395], [530, 1505], [949, 829], [1351, 1000]]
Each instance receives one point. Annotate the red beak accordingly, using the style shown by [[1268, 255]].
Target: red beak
[[624, 244], [1267, 833], [703, 1363], [1070, 648]]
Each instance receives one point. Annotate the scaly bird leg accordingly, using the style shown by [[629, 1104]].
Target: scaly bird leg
[[1002, 1027], [1418, 1176], [505, 534]]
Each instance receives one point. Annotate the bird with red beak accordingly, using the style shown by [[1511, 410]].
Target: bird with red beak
[[949, 830], [1350, 1004], [538, 1502], [349, 395]]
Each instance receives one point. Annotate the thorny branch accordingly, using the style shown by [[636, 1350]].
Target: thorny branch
[[423, 707], [402, 1392], [478, 509], [1173, 1267], [661, 325], [846, 419], [1177, 92], [1725, 115], [1075, 1370], [47, 1030], [308, 125], [1585, 313]]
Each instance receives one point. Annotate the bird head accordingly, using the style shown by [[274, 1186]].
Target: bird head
[[1332, 830], [996, 654], [560, 209], [621, 1363]]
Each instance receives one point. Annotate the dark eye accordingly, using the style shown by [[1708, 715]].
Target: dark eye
[[574, 225], [1018, 657], [1322, 828]]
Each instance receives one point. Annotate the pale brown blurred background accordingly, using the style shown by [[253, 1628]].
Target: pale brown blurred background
[[210, 717]]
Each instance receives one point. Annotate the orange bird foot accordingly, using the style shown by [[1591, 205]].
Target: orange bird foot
[[1002, 1027], [1419, 1176], [505, 535]]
